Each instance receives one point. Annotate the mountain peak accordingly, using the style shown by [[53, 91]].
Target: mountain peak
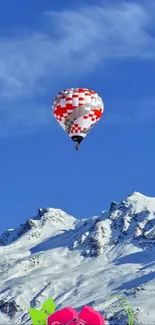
[[133, 218], [46, 220], [53, 216], [140, 201], [79, 262]]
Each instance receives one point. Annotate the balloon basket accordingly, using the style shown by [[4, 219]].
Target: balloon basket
[[77, 147]]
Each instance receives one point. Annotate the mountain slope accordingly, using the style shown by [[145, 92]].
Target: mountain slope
[[80, 262]]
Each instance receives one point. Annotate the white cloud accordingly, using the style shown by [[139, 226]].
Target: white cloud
[[74, 43]]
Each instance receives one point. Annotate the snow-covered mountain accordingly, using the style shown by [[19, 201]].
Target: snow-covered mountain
[[78, 262]]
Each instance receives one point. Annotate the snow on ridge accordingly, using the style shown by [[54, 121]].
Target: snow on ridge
[[46, 217], [55, 218], [93, 238], [84, 262], [127, 220], [133, 218], [141, 201]]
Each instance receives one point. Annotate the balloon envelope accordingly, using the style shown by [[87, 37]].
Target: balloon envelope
[[77, 110]]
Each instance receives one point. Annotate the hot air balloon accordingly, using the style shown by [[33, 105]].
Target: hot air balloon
[[77, 110]]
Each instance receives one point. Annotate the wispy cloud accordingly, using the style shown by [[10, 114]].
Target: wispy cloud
[[23, 118], [135, 112], [72, 44]]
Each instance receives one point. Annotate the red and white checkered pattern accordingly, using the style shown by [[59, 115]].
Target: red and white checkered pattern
[[77, 109], [77, 129]]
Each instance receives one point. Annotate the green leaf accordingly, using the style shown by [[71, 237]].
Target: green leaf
[[128, 310], [49, 306], [37, 317]]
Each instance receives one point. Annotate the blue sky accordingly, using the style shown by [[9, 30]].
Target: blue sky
[[46, 46]]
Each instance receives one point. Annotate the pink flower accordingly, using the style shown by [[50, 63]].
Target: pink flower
[[69, 316]]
